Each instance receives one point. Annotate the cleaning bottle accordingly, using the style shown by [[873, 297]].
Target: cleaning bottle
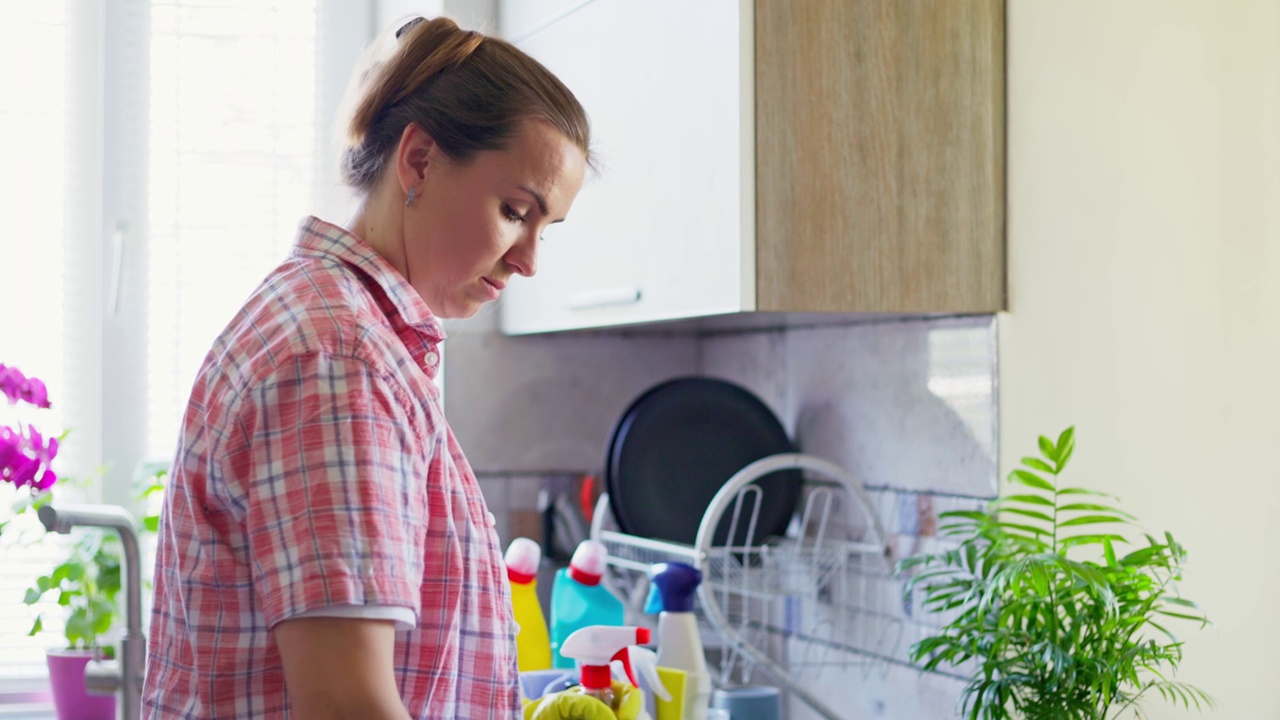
[[671, 590], [595, 647], [533, 647], [578, 599]]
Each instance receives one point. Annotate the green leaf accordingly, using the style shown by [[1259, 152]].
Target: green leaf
[[61, 573], [1031, 514], [151, 523], [966, 514], [1091, 520], [1182, 601], [37, 627], [1037, 464], [109, 578], [79, 627], [1085, 491], [1030, 479], [1094, 507], [1181, 616], [1109, 552], [1047, 449], [1142, 556], [1090, 539], [1028, 499], [1065, 446], [33, 596], [1033, 530]]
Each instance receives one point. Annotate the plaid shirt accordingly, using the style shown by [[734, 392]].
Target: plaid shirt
[[315, 469]]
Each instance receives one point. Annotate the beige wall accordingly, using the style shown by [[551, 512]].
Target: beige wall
[[1144, 236]]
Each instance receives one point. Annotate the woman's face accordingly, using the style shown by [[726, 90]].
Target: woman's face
[[472, 226]]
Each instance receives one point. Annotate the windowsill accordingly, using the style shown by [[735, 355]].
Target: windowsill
[[27, 711], [25, 700]]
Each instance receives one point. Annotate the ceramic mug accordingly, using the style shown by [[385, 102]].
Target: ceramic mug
[[749, 702]]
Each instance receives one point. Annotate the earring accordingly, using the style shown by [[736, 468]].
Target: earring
[[409, 202]]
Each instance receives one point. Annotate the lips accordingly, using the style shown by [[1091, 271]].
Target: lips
[[493, 288]]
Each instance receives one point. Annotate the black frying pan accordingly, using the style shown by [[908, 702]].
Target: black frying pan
[[674, 448]]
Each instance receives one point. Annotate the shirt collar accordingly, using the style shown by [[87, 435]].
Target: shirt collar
[[317, 238]]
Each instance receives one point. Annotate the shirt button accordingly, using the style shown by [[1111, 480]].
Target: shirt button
[[431, 359], [493, 521]]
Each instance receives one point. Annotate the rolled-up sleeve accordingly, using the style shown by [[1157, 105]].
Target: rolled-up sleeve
[[332, 465]]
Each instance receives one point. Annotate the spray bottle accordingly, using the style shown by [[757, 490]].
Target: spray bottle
[[644, 663], [579, 600], [597, 646], [679, 645], [533, 647]]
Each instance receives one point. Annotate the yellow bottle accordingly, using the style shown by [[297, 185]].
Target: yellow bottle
[[533, 645]]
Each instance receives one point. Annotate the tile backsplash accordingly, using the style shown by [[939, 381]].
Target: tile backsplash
[[907, 407]]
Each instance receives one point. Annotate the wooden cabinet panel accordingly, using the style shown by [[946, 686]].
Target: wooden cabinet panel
[[780, 156], [880, 155]]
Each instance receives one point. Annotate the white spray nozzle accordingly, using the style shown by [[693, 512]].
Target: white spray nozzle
[[645, 662], [596, 646]]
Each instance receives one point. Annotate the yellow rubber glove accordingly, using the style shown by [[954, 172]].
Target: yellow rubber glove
[[574, 705]]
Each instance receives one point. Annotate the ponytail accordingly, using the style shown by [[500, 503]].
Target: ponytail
[[468, 91]]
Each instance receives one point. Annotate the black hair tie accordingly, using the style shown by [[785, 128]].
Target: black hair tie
[[409, 26]]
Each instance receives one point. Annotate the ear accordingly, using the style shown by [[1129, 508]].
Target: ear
[[413, 155]]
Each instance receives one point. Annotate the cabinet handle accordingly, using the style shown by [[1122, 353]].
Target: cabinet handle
[[606, 296]]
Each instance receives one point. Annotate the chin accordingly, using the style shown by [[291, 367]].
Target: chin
[[467, 310]]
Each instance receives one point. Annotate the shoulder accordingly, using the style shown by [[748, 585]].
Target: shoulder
[[308, 307]]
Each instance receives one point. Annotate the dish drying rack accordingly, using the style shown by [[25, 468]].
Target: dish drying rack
[[821, 597]]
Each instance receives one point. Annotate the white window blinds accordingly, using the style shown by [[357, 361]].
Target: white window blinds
[[233, 109], [232, 103], [49, 189]]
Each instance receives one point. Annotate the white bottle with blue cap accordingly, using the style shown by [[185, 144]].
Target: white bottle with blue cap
[[671, 591]]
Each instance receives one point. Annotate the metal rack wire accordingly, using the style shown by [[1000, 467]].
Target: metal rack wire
[[823, 596]]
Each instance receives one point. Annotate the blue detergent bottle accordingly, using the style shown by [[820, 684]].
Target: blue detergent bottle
[[578, 599]]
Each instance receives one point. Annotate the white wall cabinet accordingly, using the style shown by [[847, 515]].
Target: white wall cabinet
[[758, 155]]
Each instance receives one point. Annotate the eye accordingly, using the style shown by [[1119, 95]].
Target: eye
[[510, 213]]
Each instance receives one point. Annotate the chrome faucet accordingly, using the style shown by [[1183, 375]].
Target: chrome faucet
[[123, 675]]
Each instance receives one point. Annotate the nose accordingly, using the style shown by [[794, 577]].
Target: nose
[[523, 256]]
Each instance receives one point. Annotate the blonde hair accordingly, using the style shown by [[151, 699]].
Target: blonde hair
[[469, 91]]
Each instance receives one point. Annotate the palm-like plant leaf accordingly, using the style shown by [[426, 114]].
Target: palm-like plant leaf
[[1054, 637]]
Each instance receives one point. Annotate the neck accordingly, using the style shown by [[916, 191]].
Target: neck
[[379, 222]]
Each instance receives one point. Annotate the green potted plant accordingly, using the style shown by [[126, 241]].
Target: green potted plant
[[1044, 611], [86, 579], [87, 584]]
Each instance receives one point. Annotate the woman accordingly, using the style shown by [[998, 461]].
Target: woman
[[324, 548]]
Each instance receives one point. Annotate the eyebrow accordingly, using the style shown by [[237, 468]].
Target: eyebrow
[[542, 202]]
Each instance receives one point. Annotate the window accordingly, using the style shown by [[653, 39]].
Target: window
[[161, 155], [232, 153], [48, 189]]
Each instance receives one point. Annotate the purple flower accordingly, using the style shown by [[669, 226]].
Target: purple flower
[[25, 453], [35, 393], [11, 382], [17, 386], [47, 479]]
